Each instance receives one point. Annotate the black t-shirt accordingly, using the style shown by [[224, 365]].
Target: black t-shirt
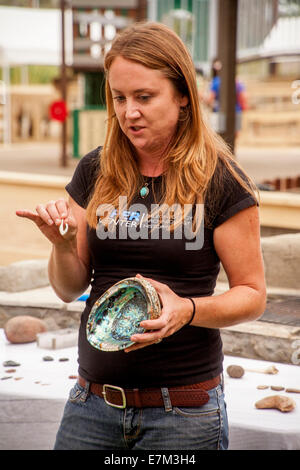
[[192, 354]]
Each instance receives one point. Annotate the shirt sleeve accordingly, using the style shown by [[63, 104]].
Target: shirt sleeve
[[82, 183], [234, 198]]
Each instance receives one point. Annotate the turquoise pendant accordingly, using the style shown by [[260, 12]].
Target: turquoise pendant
[[144, 191]]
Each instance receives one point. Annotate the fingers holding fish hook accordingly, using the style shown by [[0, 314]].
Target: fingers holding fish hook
[[63, 228]]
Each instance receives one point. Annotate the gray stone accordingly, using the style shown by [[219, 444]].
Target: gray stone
[[24, 275], [3, 317], [264, 341], [48, 358], [281, 255], [10, 364]]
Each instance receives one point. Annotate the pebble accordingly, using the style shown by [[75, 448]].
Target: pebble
[[278, 388], [63, 359], [6, 377], [292, 390], [235, 372], [73, 376], [48, 358], [262, 387], [10, 371], [11, 364]]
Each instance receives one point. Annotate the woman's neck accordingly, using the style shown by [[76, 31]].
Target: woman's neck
[[150, 165]]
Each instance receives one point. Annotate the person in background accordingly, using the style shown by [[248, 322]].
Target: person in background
[[212, 99]]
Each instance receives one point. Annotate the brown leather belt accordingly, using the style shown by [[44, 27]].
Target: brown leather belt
[[187, 395]]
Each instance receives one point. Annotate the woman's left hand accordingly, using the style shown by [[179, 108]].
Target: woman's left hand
[[176, 312]]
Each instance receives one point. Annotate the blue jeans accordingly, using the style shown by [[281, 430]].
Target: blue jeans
[[89, 423]]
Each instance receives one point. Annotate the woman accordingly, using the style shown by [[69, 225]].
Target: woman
[[158, 149]]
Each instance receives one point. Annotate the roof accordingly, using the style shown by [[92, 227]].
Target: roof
[[282, 40], [30, 36]]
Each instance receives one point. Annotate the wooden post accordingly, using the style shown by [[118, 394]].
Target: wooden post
[[227, 27], [141, 13], [63, 86]]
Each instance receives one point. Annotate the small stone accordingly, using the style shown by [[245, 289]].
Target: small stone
[[292, 390], [18, 378], [48, 358], [278, 388], [6, 377], [235, 372], [63, 359], [11, 364], [262, 387], [73, 376], [10, 371]]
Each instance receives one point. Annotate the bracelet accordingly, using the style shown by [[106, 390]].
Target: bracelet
[[194, 311]]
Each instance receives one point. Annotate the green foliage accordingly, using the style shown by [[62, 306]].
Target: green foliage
[[42, 73], [37, 74], [30, 3]]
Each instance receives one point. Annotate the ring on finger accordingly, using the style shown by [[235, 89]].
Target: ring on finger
[[158, 340]]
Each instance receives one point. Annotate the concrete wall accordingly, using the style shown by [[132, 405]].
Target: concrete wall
[[258, 339], [281, 254]]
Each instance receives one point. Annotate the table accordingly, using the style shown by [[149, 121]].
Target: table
[[256, 429], [31, 408]]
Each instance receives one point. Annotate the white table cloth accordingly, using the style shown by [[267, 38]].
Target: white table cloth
[[31, 408], [256, 429]]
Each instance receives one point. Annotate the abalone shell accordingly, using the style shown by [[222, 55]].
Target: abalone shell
[[117, 314]]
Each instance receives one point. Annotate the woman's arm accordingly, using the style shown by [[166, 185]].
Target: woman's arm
[[237, 242], [68, 268], [69, 263]]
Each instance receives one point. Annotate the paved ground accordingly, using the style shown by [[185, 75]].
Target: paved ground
[[35, 158], [20, 239], [260, 162]]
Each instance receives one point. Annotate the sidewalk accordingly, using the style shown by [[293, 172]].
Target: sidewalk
[[21, 240], [38, 158], [45, 158]]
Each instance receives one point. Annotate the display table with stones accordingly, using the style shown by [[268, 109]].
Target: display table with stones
[[35, 385]]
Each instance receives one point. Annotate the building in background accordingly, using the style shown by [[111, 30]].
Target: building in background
[[268, 47]]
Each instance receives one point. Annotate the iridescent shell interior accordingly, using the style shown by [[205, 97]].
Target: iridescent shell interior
[[117, 314]]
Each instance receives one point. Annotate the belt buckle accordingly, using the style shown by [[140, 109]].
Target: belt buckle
[[119, 389]]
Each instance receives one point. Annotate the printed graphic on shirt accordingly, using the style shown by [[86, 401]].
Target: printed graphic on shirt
[[162, 222]]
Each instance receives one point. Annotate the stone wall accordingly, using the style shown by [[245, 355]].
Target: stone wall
[[27, 292], [24, 275], [281, 254], [263, 339]]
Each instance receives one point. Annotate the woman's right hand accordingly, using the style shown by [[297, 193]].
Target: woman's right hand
[[48, 218]]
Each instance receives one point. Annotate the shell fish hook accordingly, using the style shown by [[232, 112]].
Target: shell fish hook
[[63, 228]]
